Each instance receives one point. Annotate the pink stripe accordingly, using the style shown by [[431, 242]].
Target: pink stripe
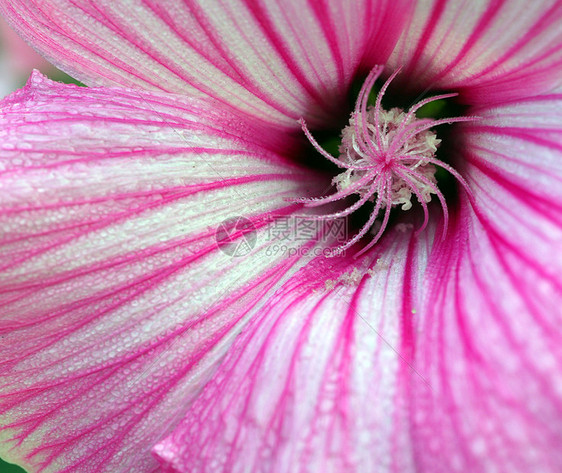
[[432, 22], [485, 22]]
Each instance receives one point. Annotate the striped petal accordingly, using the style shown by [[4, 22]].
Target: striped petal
[[422, 357], [489, 50], [490, 339], [313, 384], [279, 61], [116, 301]]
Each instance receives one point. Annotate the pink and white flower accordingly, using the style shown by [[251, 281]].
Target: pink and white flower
[[131, 342]]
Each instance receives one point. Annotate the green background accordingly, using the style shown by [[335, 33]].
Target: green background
[[9, 468]]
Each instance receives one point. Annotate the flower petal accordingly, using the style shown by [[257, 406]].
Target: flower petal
[[490, 339], [116, 301], [278, 61], [444, 358], [490, 50], [312, 384]]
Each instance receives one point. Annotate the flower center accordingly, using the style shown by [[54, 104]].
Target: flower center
[[386, 157], [412, 157]]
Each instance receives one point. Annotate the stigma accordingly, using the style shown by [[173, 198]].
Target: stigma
[[386, 157]]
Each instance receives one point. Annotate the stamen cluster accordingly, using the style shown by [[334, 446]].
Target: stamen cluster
[[413, 154], [387, 157]]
